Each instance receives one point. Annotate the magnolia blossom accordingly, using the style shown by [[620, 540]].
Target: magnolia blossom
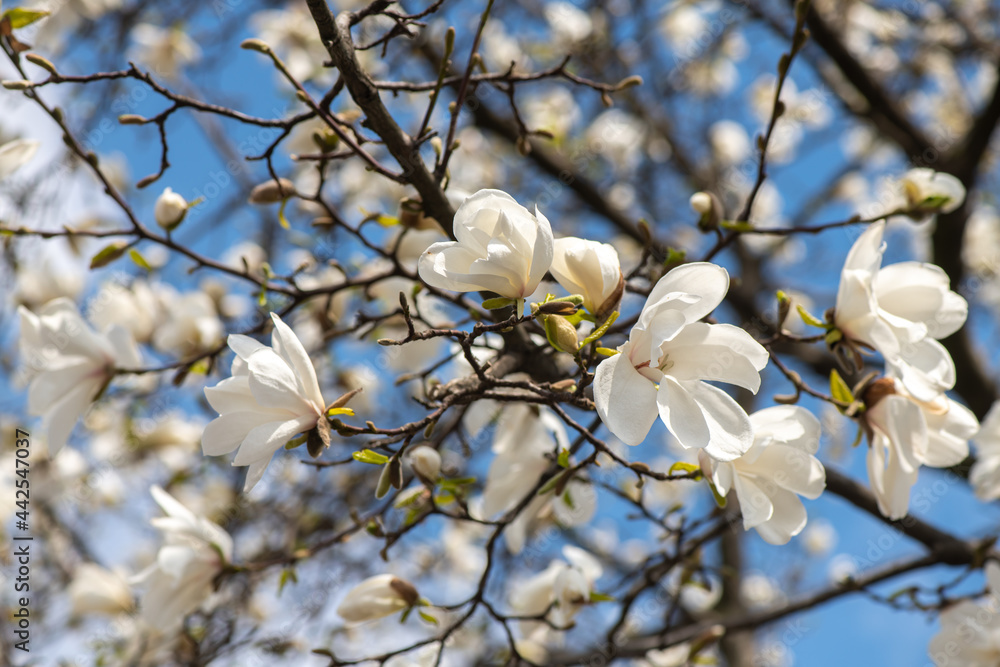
[[170, 209], [14, 154], [900, 310], [526, 438], [180, 580], [189, 323], [779, 467], [905, 433], [377, 597], [272, 396], [564, 585], [985, 473], [426, 462], [970, 631], [164, 50], [590, 269], [95, 590], [663, 366], [70, 365], [929, 191], [501, 248]]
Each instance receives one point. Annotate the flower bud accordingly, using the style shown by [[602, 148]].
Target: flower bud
[[708, 206], [426, 463], [170, 209], [271, 191], [561, 334], [377, 597], [878, 390]]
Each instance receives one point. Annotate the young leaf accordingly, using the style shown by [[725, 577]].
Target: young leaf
[[497, 303], [599, 331], [22, 18], [369, 456], [839, 389], [108, 254], [139, 260], [808, 318]]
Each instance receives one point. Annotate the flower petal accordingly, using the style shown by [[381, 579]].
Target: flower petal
[[625, 400]]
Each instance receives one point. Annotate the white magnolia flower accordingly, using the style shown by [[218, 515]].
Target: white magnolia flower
[[135, 308], [526, 437], [96, 590], [985, 474], [564, 585], [905, 433], [189, 323], [70, 365], [426, 462], [619, 136], [929, 191], [170, 209], [163, 50], [377, 597], [569, 24], [663, 366], [293, 36], [590, 269], [181, 579], [501, 248], [970, 631], [775, 471], [14, 154], [272, 396], [900, 310]]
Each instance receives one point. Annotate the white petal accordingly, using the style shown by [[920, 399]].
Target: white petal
[[948, 435], [625, 400], [682, 415], [273, 383], [788, 519], [224, 434], [244, 346], [262, 441], [719, 352], [925, 368], [14, 154], [708, 281], [448, 266], [921, 293], [792, 425], [730, 432], [755, 503], [62, 416], [286, 343]]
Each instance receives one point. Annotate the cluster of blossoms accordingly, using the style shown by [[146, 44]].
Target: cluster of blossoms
[[665, 369]]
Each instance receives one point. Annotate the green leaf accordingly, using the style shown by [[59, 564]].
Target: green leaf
[[456, 483], [552, 483], [288, 574], [21, 18], [674, 256], [369, 456], [563, 459], [108, 254], [600, 597], [720, 499], [497, 303], [282, 220], [297, 441], [599, 331], [732, 225], [686, 467], [427, 618], [857, 438], [839, 389], [833, 336], [809, 319], [139, 260], [607, 351]]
